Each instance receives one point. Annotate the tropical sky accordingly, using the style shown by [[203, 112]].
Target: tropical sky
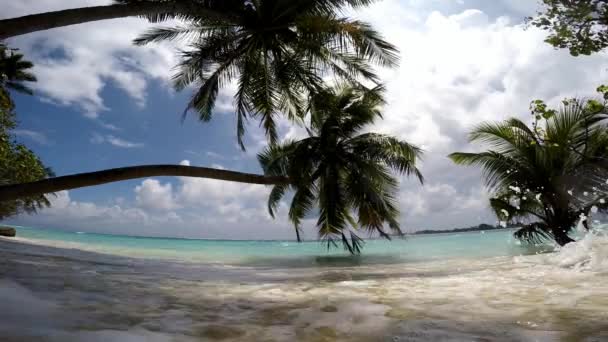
[[101, 102]]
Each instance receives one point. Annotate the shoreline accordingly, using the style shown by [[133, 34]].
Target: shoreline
[[404, 236]]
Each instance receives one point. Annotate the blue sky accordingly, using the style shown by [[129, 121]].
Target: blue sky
[[101, 102]]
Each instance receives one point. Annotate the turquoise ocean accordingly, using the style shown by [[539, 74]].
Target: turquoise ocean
[[476, 286], [412, 248]]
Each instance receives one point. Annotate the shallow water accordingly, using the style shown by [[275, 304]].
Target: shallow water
[[464, 287]]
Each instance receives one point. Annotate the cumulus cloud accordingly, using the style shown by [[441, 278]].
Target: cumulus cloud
[[63, 207], [456, 71], [229, 199], [74, 64], [151, 194]]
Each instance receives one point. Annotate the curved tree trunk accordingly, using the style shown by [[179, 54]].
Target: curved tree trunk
[[561, 236], [562, 225], [44, 21], [15, 191]]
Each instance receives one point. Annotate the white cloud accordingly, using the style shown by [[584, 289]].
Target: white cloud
[[153, 195], [213, 194], [62, 207], [212, 155], [118, 142], [456, 71], [108, 126], [35, 136], [74, 64], [430, 206], [97, 138], [462, 69]]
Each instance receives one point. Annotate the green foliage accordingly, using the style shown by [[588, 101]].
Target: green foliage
[[191, 6], [13, 71], [343, 172], [277, 52], [18, 164], [603, 89], [578, 25], [540, 111], [229, 7], [547, 175]]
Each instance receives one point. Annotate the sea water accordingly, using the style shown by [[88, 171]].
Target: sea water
[[272, 253], [478, 286]]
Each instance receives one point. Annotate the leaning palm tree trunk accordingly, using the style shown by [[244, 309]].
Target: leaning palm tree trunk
[[44, 21], [15, 191]]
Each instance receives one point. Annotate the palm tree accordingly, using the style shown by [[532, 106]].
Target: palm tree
[[277, 52], [154, 10], [14, 70], [546, 178], [344, 172], [309, 41], [50, 185]]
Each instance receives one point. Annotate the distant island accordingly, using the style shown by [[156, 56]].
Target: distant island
[[480, 227]]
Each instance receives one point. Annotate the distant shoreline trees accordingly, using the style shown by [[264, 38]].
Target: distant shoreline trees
[[478, 228]]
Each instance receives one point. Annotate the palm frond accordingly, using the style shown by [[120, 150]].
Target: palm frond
[[333, 207], [275, 159], [265, 96], [159, 34], [498, 169], [301, 204], [534, 233], [373, 194], [203, 101], [345, 34], [19, 88], [14, 71], [501, 136], [278, 51], [191, 10], [401, 156], [276, 194]]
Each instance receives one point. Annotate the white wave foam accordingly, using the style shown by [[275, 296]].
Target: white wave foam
[[590, 253]]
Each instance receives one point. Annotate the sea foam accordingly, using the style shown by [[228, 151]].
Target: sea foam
[[590, 253]]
